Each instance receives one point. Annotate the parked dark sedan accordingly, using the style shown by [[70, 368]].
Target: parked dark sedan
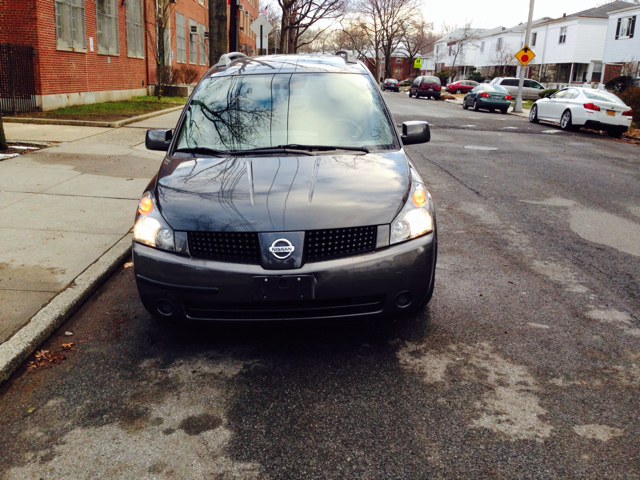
[[285, 194], [489, 97], [390, 84]]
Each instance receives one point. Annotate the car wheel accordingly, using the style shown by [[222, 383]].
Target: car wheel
[[458, 91], [437, 97], [533, 114], [475, 105], [504, 111], [464, 104], [565, 121]]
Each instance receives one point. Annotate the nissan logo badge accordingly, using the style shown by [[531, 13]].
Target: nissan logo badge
[[281, 248]]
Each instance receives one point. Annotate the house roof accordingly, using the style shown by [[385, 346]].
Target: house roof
[[602, 11]]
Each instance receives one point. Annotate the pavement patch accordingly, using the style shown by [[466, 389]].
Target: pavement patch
[[603, 433], [478, 147], [622, 320], [510, 407]]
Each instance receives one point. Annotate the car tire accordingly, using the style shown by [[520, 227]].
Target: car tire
[[475, 105], [504, 111], [615, 133], [464, 105], [458, 91], [565, 121], [533, 114], [436, 97]]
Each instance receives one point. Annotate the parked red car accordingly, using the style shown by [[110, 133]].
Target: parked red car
[[462, 86]]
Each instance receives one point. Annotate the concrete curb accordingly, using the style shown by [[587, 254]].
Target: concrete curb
[[87, 123], [17, 349]]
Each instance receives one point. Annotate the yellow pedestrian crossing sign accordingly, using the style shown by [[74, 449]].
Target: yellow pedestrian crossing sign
[[525, 55], [417, 63]]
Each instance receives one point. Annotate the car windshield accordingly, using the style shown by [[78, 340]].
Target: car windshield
[[391, 80], [260, 111], [494, 88], [604, 96]]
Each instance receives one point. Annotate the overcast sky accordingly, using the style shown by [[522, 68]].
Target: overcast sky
[[494, 14]]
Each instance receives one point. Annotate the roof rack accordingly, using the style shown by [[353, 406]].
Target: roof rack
[[348, 56], [227, 58]]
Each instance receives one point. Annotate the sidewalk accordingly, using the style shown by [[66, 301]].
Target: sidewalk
[[66, 213]]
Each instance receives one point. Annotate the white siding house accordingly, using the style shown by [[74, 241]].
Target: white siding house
[[457, 51], [570, 49], [622, 45]]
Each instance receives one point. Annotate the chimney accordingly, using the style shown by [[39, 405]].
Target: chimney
[[564, 15]]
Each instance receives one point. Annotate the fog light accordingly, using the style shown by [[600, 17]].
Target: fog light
[[403, 299], [165, 307]]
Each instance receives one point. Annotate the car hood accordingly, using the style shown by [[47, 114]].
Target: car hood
[[288, 193]]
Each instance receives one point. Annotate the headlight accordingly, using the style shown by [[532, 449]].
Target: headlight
[[150, 227], [415, 218]]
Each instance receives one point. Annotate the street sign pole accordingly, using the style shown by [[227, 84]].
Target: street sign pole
[[518, 106], [261, 47]]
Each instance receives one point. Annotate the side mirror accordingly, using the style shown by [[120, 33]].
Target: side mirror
[[415, 132], [158, 139], [548, 95]]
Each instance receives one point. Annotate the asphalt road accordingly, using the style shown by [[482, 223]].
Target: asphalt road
[[525, 365]]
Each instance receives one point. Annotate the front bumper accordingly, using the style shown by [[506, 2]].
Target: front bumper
[[385, 282]]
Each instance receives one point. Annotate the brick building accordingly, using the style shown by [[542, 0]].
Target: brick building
[[89, 51], [247, 13]]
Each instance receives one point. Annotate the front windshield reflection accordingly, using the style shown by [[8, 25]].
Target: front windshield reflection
[[257, 111]]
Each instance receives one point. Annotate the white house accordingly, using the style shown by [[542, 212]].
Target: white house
[[570, 49], [496, 49], [457, 51], [622, 45]]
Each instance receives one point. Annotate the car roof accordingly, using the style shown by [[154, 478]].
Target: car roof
[[314, 63]]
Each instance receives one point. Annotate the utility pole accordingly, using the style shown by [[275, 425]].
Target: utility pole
[[233, 25], [518, 106]]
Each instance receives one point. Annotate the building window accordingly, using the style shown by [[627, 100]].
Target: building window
[[135, 30], [70, 24], [534, 38], [193, 42], [563, 35], [596, 75], [450, 50], [107, 20], [181, 38], [499, 44], [203, 48], [625, 28], [482, 47], [398, 60]]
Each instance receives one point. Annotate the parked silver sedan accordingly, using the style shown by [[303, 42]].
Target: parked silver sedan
[[576, 107]]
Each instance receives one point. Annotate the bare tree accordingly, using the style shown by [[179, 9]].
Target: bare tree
[[158, 30], [298, 16], [417, 38], [503, 57], [465, 39], [364, 36], [217, 30]]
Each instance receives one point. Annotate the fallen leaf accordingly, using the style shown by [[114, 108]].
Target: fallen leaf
[[68, 346], [128, 265], [31, 409]]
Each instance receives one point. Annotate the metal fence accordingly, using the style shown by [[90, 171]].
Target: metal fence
[[17, 78]]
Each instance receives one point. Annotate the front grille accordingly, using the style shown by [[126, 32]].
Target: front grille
[[339, 242], [226, 246], [309, 309]]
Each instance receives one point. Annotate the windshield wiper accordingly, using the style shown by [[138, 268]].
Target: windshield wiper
[[202, 150], [289, 148], [323, 148]]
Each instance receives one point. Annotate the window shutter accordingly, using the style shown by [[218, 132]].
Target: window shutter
[[618, 28], [633, 26]]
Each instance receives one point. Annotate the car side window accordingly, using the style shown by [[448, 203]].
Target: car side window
[[535, 84], [475, 89], [560, 94], [509, 83], [571, 94], [417, 81]]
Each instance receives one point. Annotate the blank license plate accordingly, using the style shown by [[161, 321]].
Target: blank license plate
[[611, 112], [277, 288]]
